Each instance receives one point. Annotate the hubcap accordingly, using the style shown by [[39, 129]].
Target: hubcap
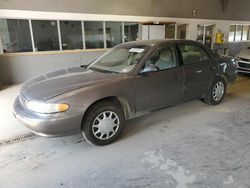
[[105, 125], [218, 91]]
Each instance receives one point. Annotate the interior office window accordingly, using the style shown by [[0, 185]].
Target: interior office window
[[245, 32], [45, 35], [232, 33], [15, 35], [170, 31], [238, 34], [181, 31], [71, 34], [200, 33], [248, 34], [113, 33], [131, 31], [209, 35], [93, 34]]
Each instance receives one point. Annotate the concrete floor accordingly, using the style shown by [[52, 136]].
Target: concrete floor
[[190, 145], [10, 127]]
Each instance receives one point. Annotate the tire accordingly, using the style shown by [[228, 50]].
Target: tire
[[213, 97], [103, 117]]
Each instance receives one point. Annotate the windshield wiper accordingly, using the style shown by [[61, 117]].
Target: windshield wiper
[[84, 66]]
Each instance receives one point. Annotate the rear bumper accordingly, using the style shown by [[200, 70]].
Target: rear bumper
[[48, 125]]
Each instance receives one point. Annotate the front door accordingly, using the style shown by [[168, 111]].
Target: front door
[[164, 85]]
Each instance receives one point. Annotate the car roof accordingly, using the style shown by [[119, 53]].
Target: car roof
[[151, 43]]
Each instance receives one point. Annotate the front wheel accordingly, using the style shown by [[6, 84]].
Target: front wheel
[[216, 92], [103, 123]]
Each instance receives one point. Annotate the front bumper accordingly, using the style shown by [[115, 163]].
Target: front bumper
[[49, 125]]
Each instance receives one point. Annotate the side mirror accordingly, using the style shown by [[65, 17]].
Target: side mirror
[[149, 69]]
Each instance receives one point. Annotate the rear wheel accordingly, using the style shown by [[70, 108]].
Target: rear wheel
[[216, 92], [103, 123]]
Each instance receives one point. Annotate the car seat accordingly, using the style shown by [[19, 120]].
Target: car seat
[[166, 59]]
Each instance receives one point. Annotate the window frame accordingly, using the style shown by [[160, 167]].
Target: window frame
[[60, 33], [247, 33], [120, 24], [83, 38], [153, 51], [177, 31], [18, 20], [235, 32], [238, 30], [124, 32], [57, 31], [84, 34], [174, 25]]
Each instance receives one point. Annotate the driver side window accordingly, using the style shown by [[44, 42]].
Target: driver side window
[[163, 58]]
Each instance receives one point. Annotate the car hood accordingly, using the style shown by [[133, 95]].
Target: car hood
[[47, 86], [244, 54]]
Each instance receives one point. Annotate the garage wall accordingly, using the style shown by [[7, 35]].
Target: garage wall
[[18, 68], [207, 9]]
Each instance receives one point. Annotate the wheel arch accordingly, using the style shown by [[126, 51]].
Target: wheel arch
[[121, 102]]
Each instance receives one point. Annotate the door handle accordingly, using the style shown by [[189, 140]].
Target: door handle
[[199, 71]]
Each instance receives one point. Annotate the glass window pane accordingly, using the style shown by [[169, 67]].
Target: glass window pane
[[200, 33], [15, 35], [248, 33], [192, 54], [113, 33], [239, 30], [93, 34], [209, 35], [245, 32], [232, 33], [181, 31], [45, 35], [169, 31], [164, 58], [131, 32], [71, 33]]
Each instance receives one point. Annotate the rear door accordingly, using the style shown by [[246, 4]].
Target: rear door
[[163, 87], [199, 70]]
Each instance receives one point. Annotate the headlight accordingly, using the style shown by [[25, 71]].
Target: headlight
[[46, 108]]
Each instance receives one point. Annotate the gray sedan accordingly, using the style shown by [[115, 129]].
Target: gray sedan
[[127, 81]]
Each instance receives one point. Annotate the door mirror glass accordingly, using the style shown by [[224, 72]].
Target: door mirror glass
[[149, 69]]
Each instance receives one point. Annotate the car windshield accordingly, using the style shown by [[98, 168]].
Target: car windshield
[[119, 59]]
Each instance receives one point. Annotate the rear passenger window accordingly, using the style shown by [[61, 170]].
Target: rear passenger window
[[192, 54]]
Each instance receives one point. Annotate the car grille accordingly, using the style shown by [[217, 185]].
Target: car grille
[[244, 65]]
